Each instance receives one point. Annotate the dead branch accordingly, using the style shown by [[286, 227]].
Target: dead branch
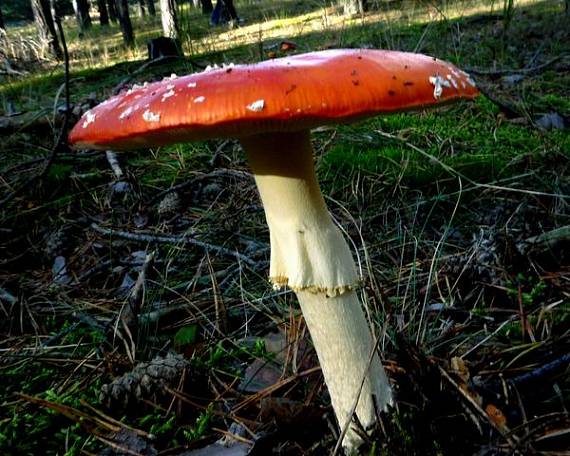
[[171, 239], [507, 108], [531, 70], [130, 312], [38, 121], [547, 240], [549, 370], [8, 70]]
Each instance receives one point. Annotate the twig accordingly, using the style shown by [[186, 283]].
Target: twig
[[135, 295], [9, 70], [524, 380], [548, 239], [531, 70], [7, 297], [509, 109], [62, 132], [114, 164], [171, 239]]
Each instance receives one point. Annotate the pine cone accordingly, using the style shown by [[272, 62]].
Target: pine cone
[[145, 380], [57, 242], [169, 204]]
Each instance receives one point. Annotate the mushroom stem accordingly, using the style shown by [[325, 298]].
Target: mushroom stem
[[310, 255]]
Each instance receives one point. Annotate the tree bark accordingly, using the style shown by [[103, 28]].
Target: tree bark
[[112, 10], [59, 8], [81, 8], [125, 22], [354, 7], [2, 26], [103, 13], [46, 27], [142, 8], [169, 20], [207, 6], [150, 7]]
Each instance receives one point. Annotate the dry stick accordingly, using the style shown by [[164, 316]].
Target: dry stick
[[62, 132], [507, 108], [170, 239], [456, 173], [513, 71], [543, 371]]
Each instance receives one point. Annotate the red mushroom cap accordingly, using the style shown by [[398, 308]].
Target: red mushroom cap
[[293, 93]]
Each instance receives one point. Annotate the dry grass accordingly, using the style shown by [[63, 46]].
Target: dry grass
[[443, 205]]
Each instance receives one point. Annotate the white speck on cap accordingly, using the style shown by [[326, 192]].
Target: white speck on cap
[[89, 119], [134, 88], [126, 113], [149, 116], [256, 106], [168, 94], [453, 82], [191, 84], [200, 99], [438, 84]]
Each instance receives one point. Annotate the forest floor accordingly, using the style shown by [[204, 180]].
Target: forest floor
[[120, 334]]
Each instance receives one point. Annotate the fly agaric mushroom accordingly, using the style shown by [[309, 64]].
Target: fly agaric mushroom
[[271, 107]]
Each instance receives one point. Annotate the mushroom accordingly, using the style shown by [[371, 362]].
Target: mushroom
[[271, 107]]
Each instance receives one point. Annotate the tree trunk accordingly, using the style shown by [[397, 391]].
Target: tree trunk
[[125, 22], [61, 8], [103, 14], [207, 6], [81, 8], [2, 26], [46, 27], [354, 7], [112, 10], [150, 7], [142, 8], [169, 21]]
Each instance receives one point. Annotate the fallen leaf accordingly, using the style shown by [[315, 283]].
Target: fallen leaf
[[496, 415]]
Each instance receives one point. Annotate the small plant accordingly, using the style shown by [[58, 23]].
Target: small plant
[[531, 289], [199, 430]]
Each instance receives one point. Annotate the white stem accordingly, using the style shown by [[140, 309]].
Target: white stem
[[310, 255]]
